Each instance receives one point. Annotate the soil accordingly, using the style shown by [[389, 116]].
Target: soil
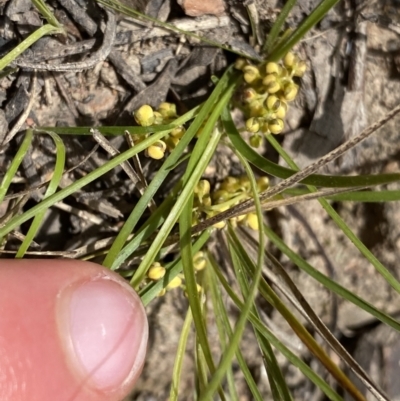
[[353, 79]]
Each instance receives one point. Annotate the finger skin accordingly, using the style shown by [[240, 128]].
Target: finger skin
[[34, 364]]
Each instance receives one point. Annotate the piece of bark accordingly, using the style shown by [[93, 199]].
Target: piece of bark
[[196, 8], [152, 95]]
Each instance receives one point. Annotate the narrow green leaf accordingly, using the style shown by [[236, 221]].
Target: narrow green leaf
[[278, 385], [188, 187], [221, 312], [93, 175], [28, 42], [328, 283], [116, 255], [264, 331], [385, 273], [278, 25], [17, 160], [52, 187], [180, 353], [281, 172], [316, 15]]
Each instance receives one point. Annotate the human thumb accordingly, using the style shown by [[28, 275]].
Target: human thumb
[[69, 331]]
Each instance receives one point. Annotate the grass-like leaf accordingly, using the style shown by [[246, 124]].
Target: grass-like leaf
[[342, 225], [53, 185], [117, 255], [316, 15], [265, 332], [93, 175], [17, 160], [328, 283], [180, 353], [328, 181], [188, 187], [28, 42]]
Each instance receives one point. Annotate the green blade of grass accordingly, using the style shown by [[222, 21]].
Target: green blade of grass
[[117, 255], [316, 15], [53, 185], [188, 186], [230, 351], [119, 130], [328, 283], [365, 196], [281, 172], [264, 331], [17, 160], [28, 42], [47, 14], [221, 313], [223, 328], [383, 271], [278, 24], [180, 353], [185, 225], [270, 296], [93, 175], [278, 385]]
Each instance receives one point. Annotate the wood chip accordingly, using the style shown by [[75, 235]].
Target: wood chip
[[196, 8]]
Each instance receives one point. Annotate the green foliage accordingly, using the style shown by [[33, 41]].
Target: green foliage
[[265, 89]]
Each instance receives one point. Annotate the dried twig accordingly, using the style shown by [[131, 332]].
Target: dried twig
[[100, 55]]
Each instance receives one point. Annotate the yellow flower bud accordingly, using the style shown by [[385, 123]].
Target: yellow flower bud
[[230, 184], [281, 111], [252, 221], [167, 110], [252, 125], [206, 201], [178, 132], [220, 225], [251, 73], [144, 116], [300, 69], [257, 109], [255, 141], [174, 283], [241, 218], [202, 188], [249, 94], [276, 126], [273, 103], [156, 272], [157, 150], [290, 92], [273, 68], [199, 261], [171, 143], [158, 118], [162, 292], [220, 196], [262, 184], [289, 60], [271, 83], [240, 63]]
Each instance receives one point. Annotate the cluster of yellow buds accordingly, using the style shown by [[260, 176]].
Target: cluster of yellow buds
[[267, 90], [165, 114], [157, 272], [231, 192]]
